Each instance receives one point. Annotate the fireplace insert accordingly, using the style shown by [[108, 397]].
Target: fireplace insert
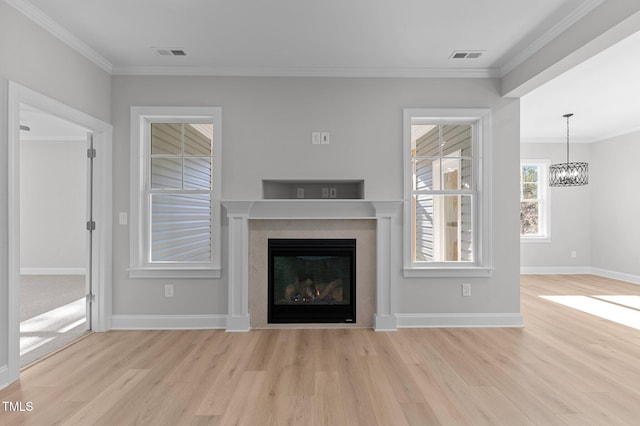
[[312, 281]]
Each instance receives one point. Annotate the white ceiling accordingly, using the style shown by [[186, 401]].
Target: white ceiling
[[603, 93], [402, 38]]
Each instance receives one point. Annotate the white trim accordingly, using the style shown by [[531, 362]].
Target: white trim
[[4, 377], [39, 17], [138, 266], [480, 118], [53, 271], [311, 72], [455, 320], [578, 13], [630, 278], [555, 270], [102, 240], [167, 322], [444, 272]]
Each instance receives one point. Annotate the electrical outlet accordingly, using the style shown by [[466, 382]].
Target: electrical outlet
[[574, 254], [300, 192], [168, 290], [333, 192], [466, 290], [123, 218], [325, 192]]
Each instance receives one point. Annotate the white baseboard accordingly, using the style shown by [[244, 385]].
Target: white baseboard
[[630, 278], [555, 270], [459, 320], [53, 271], [4, 377], [167, 322]]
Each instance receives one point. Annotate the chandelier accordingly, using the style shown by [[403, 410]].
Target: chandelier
[[568, 174]]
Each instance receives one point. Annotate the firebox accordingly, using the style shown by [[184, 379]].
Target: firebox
[[312, 281]]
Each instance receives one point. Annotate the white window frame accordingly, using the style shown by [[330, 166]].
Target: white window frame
[[480, 120], [544, 224], [141, 119]]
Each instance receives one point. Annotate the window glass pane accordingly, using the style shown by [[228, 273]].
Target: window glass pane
[[456, 138], [181, 228], [426, 140], [198, 139], [529, 218], [166, 138], [423, 173], [166, 173], [443, 228], [197, 173], [529, 173], [529, 191]]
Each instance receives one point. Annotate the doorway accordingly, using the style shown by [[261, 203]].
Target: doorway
[[98, 264], [55, 190]]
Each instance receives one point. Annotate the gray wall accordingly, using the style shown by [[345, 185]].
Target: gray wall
[[32, 57], [615, 204], [267, 125], [53, 206], [570, 215]]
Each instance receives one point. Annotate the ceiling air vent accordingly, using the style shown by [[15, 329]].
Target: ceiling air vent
[[169, 51], [466, 54]]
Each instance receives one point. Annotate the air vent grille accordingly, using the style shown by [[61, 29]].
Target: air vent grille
[[169, 51], [466, 54]]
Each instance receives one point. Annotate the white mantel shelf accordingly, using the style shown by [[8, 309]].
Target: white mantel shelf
[[240, 212], [311, 209]]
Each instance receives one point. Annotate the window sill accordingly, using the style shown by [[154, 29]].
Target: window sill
[[169, 272], [535, 239], [446, 272]]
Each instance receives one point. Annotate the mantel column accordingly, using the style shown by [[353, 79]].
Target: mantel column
[[385, 315], [238, 269]]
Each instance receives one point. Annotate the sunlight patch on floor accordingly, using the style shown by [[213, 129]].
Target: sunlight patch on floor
[[43, 328], [603, 308]]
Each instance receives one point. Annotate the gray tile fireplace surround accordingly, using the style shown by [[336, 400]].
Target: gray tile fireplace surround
[[252, 223]]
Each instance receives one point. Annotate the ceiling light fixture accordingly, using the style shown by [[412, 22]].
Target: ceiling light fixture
[[568, 174]]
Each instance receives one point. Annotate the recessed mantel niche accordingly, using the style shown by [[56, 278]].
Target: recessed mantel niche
[[252, 223]]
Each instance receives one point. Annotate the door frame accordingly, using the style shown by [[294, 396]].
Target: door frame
[[102, 212]]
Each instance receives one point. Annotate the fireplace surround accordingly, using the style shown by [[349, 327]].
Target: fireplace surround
[[252, 223]]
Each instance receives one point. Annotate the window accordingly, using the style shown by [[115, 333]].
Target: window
[[446, 196], [175, 204], [534, 200]]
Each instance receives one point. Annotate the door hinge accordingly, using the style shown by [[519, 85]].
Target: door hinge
[[91, 225], [90, 298], [91, 153]]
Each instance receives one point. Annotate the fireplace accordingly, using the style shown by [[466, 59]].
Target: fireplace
[[311, 281]]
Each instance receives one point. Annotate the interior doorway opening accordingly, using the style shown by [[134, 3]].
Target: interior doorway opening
[[54, 195]]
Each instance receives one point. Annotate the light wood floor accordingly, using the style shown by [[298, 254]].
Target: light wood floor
[[563, 367]]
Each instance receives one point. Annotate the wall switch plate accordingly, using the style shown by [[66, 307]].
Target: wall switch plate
[[574, 254], [466, 290], [168, 290], [123, 218], [325, 138], [316, 138]]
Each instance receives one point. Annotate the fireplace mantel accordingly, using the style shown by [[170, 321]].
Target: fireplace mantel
[[239, 213]]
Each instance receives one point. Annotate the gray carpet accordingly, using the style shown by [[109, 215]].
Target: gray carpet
[[52, 312]]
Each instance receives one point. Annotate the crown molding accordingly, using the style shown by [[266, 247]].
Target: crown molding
[[310, 72], [39, 17], [578, 13]]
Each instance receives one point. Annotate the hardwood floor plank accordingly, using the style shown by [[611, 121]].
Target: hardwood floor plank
[[564, 367]]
